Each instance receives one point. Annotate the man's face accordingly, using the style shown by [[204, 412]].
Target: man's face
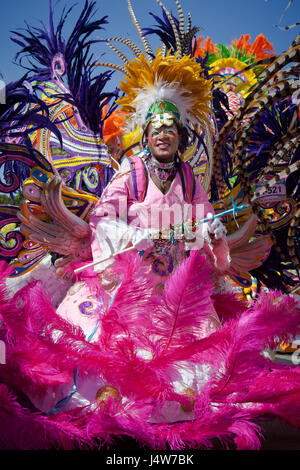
[[163, 142]]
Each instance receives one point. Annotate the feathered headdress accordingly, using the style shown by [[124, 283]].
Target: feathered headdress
[[170, 85], [167, 79]]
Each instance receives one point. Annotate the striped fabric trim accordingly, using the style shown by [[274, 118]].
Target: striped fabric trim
[[188, 182], [139, 177]]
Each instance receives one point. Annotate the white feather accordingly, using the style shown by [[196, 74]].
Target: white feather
[[163, 91]]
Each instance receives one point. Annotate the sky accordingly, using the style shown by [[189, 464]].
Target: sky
[[222, 20]]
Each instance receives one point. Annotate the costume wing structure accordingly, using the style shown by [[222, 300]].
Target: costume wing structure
[[11, 240], [13, 244], [265, 164], [22, 113], [62, 71], [245, 255], [256, 153], [59, 113], [48, 217], [57, 235]]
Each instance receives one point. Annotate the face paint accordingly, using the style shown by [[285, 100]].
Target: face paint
[[172, 130], [163, 142]]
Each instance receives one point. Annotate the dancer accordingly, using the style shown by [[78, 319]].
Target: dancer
[[150, 340]]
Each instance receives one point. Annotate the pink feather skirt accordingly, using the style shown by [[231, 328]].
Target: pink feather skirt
[[172, 364]]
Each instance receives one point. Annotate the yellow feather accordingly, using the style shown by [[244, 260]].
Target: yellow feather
[[183, 74]]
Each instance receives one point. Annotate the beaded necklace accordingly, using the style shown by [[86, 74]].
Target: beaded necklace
[[162, 170]]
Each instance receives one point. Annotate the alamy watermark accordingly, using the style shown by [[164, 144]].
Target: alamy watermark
[[2, 92], [296, 93], [296, 354], [175, 221], [2, 352]]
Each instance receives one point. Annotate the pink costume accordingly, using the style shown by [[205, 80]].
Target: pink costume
[[84, 305], [144, 344], [115, 219]]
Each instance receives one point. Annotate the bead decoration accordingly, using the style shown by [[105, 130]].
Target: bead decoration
[[162, 170], [105, 392]]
